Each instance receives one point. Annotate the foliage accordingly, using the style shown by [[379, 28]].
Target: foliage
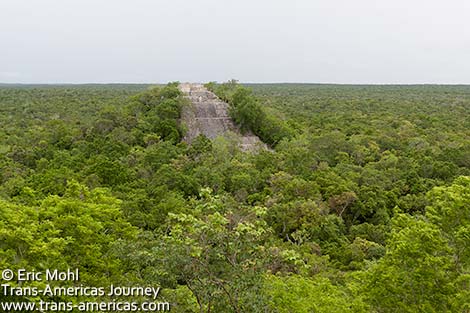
[[247, 112], [303, 295], [361, 204], [75, 231], [426, 264]]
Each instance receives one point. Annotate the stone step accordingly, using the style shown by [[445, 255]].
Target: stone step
[[208, 115]]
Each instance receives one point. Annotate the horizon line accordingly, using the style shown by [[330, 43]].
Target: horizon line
[[240, 82]]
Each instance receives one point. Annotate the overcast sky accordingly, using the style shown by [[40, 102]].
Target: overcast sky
[[317, 41]]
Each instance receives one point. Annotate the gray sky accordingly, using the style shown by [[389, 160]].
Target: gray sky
[[318, 41]]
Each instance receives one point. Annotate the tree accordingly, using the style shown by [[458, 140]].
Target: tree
[[77, 230], [426, 263], [217, 254], [304, 295]]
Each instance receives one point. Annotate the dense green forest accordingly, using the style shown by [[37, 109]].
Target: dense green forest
[[360, 204]]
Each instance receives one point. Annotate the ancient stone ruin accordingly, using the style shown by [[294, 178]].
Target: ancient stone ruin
[[208, 115]]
